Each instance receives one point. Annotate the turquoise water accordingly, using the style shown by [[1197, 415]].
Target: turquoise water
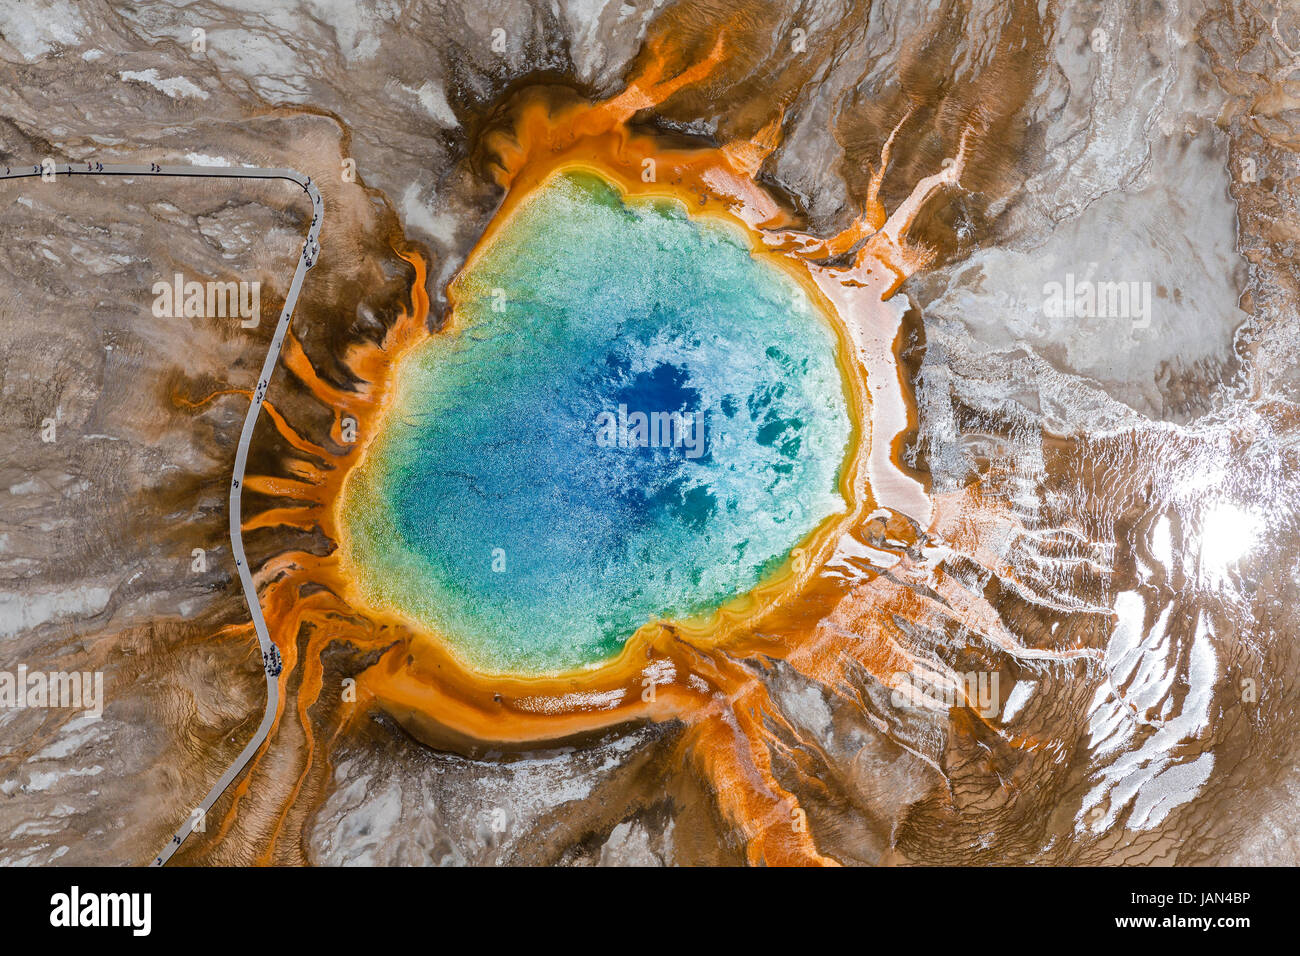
[[511, 502]]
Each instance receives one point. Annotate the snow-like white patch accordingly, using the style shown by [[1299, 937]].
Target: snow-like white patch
[[26, 610], [43, 781], [353, 25], [607, 700], [1150, 771], [36, 30], [418, 215], [73, 735], [586, 46], [25, 487], [434, 100], [270, 64], [1018, 697], [203, 159], [175, 87]]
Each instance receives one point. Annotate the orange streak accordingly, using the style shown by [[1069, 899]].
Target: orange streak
[[825, 630]]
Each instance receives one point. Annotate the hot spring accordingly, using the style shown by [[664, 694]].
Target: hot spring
[[631, 417]]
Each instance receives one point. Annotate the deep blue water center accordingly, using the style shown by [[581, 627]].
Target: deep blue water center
[[631, 418]]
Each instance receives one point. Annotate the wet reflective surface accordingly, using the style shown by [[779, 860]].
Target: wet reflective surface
[[1060, 625], [631, 419]]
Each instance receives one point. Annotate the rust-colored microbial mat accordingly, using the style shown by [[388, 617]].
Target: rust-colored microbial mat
[[771, 434]]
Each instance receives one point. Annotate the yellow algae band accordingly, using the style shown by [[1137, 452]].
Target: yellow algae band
[[632, 418]]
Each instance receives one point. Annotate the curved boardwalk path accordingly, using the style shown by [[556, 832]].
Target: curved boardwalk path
[[310, 252]]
